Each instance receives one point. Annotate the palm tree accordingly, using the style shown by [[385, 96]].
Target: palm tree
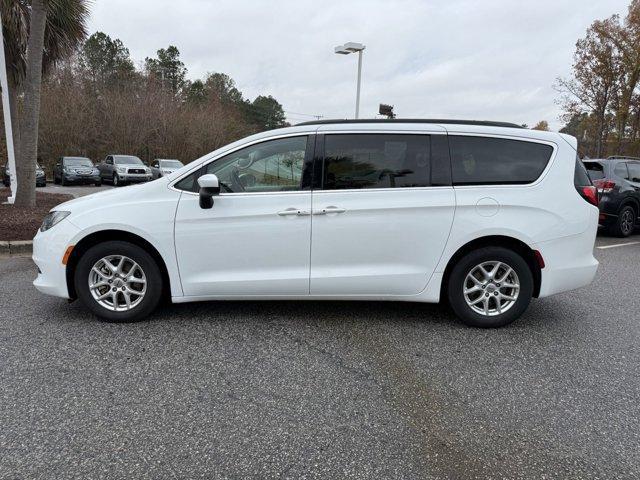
[[37, 35]]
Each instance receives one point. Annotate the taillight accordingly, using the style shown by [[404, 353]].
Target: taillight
[[590, 194], [604, 186]]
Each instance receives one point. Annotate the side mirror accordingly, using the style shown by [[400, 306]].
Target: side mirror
[[209, 186]]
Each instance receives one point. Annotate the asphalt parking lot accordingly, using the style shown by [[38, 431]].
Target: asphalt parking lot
[[323, 390], [75, 190]]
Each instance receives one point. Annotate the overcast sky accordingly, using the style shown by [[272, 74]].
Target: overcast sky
[[476, 59]]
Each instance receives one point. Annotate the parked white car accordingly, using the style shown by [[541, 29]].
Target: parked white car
[[485, 215], [161, 167]]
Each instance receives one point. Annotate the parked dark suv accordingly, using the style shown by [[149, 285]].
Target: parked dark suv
[[618, 182], [76, 170]]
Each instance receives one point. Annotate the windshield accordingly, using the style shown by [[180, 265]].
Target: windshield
[[127, 160], [170, 164], [77, 162]]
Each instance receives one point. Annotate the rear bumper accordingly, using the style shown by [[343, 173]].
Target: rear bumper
[[569, 261]]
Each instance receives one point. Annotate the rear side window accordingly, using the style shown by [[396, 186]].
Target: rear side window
[[634, 172], [376, 161], [489, 161], [595, 170]]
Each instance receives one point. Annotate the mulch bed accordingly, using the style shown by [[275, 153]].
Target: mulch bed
[[23, 223]]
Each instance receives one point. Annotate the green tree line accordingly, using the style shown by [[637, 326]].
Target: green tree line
[[94, 101], [601, 98]]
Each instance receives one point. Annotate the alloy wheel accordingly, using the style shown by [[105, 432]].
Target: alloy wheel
[[491, 288], [626, 222], [117, 283]]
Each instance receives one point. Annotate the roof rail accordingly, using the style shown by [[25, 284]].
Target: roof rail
[[622, 157], [483, 123]]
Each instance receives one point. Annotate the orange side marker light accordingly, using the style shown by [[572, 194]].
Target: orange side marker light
[[67, 254]]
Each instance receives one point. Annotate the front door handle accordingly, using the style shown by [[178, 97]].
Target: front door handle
[[293, 211], [328, 210]]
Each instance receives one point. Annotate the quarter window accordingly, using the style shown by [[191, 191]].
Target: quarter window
[[353, 161], [487, 161]]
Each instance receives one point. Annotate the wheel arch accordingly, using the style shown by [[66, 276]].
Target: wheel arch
[[113, 234], [633, 202], [518, 246]]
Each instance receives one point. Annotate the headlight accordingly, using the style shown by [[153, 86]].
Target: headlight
[[95, 171], [147, 169], [121, 169], [165, 171], [52, 218]]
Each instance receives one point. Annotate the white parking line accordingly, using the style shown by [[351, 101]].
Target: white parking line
[[604, 247]]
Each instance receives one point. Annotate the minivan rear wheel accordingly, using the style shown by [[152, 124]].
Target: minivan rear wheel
[[118, 281], [490, 287]]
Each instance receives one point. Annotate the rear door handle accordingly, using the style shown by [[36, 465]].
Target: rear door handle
[[293, 211], [328, 210]]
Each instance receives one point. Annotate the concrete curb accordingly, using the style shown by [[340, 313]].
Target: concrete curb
[[16, 247]]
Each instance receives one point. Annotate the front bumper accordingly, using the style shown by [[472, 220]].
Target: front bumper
[[72, 178], [48, 249]]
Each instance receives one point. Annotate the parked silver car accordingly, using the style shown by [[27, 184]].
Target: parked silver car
[[123, 169], [164, 166]]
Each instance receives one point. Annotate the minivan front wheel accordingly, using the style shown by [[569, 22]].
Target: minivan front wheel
[[118, 281], [490, 287]]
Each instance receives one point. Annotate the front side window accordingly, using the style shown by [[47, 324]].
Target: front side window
[[355, 161], [271, 166], [490, 161]]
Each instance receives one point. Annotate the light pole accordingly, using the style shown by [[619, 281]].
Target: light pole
[[7, 120], [346, 49]]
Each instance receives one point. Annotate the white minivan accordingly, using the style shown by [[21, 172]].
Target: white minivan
[[485, 215]]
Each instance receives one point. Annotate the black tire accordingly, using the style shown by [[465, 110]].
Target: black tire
[[115, 180], [622, 227], [98, 183], [63, 182], [466, 264], [149, 266]]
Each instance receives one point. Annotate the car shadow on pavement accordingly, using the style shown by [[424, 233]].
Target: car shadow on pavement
[[316, 312]]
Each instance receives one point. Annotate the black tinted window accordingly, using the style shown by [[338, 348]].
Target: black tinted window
[[634, 172], [595, 170], [484, 160], [580, 177], [189, 183], [376, 161]]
